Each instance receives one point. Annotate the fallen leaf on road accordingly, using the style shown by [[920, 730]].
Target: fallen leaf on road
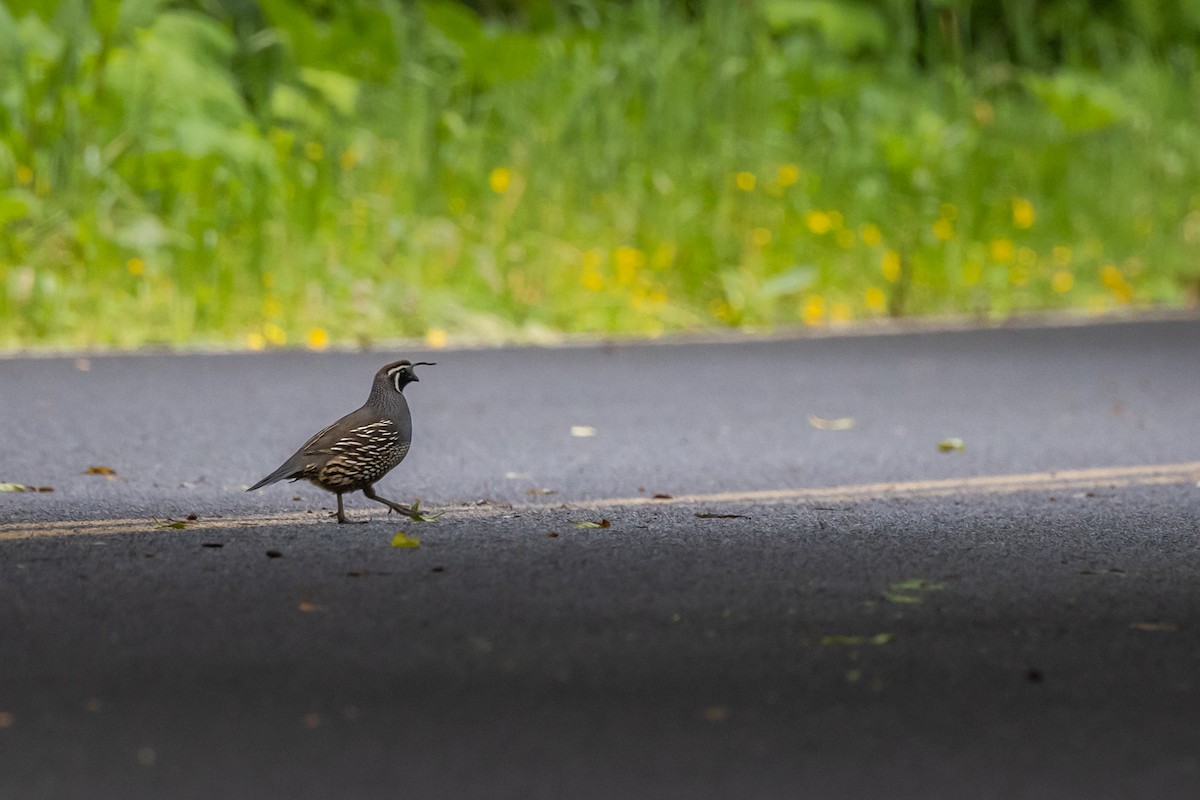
[[305, 607], [952, 445], [13, 487], [582, 431], [916, 585], [401, 539], [879, 638], [709, 515], [661, 496], [838, 424], [107, 472], [176, 524], [587, 523], [901, 591], [1170, 627], [274, 554], [541, 491], [416, 515]]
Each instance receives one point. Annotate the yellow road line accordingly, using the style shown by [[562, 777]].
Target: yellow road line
[[1050, 482]]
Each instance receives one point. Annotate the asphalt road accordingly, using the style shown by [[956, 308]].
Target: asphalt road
[[1019, 619]]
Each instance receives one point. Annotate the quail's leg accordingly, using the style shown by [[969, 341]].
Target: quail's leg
[[401, 507], [341, 515]]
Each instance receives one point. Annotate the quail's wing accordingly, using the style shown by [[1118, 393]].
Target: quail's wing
[[323, 440]]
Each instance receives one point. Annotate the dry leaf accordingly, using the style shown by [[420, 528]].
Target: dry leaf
[[836, 424], [12, 487], [952, 445], [661, 496], [107, 472], [879, 638], [582, 431], [586, 523], [1170, 627], [707, 515], [542, 491]]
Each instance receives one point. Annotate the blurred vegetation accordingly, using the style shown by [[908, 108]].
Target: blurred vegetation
[[280, 172]]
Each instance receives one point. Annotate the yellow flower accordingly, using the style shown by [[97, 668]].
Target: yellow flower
[[876, 299], [1062, 281], [590, 275], [889, 265], [818, 222], [1115, 282], [870, 234], [1001, 250], [136, 266], [943, 229], [314, 151], [761, 237], [629, 261], [745, 181], [24, 175], [317, 339], [1060, 255], [814, 310], [499, 180], [788, 175], [255, 341], [1022, 213], [435, 338], [274, 334], [721, 310]]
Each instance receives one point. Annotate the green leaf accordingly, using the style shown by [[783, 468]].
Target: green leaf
[[952, 445], [892, 597], [1081, 102], [176, 525], [917, 585], [12, 487], [416, 515], [338, 90], [850, 27], [401, 539]]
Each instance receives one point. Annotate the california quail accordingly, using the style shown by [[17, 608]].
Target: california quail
[[361, 447]]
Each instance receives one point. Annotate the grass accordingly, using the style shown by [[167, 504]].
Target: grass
[[167, 176]]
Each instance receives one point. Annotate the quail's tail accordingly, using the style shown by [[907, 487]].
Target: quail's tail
[[285, 471]]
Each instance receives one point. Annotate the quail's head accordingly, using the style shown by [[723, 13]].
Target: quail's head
[[400, 373]]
